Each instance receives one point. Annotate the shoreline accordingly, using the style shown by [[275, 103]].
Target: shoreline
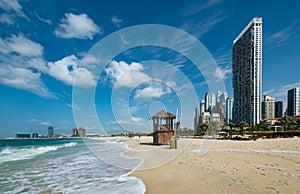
[[227, 166]]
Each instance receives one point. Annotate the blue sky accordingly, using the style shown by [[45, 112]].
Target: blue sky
[[46, 45]]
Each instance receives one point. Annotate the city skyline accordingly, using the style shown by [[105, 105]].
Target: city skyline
[[43, 43]]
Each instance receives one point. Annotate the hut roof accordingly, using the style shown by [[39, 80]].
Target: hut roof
[[164, 115]]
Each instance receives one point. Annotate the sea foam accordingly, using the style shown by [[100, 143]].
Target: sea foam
[[13, 153]]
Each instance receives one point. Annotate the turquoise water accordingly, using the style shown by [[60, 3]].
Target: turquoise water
[[66, 165]]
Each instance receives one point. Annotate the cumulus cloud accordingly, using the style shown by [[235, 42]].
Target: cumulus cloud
[[23, 64], [21, 45], [116, 21], [77, 26], [151, 92], [67, 70], [126, 75], [24, 79], [12, 6]]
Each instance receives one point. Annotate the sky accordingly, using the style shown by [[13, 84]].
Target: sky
[[109, 65]]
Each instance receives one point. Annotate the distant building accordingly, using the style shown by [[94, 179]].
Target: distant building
[[293, 104], [268, 107], [196, 118], [278, 109], [205, 117], [202, 106], [50, 131], [35, 135], [247, 73], [207, 102], [229, 106], [19, 135], [79, 132], [215, 117]]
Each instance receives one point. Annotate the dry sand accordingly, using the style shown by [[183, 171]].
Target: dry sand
[[219, 166]]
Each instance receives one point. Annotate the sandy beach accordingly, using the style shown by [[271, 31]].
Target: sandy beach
[[219, 166]]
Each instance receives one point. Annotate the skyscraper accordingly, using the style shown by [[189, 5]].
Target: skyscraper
[[293, 106], [278, 109], [268, 107], [197, 117], [247, 72], [229, 106], [207, 101], [50, 131]]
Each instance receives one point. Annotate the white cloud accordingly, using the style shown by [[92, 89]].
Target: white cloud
[[77, 26], [13, 6], [89, 60], [39, 122], [193, 9], [125, 75], [280, 37], [222, 73], [6, 19], [204, 26], [136, 119], [151, 92], [47, 21], [282, 91], [116, 21], [73, 106], [22, 46], [24, 79], [67, 70]]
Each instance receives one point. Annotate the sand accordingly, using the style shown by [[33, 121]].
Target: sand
[[219, 166]]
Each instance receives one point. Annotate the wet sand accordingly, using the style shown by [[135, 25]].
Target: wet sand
[[219, 166]]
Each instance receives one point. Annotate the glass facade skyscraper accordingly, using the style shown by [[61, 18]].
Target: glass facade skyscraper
[[293, 106], [247, 73]]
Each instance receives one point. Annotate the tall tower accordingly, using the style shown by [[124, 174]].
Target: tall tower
[[50, 131], [229, 105], [247, 73], [207, 101], [293, 106], [278, 109]]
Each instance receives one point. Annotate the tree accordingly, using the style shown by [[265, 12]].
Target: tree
[[243, 124], [202, 128], [286, 122], [231, 125]]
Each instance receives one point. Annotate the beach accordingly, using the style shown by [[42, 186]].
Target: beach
[[219, 166]]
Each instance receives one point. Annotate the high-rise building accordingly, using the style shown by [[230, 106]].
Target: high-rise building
[[197, 117], [293, 104], [229, 106], [202, 107], [247, 73], [278, 109], [268, 107], [50, 131], [207, 101]]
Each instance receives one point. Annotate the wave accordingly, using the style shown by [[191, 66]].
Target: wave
[[14, 154]]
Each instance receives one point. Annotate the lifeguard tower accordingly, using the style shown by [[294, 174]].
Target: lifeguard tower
[[162, 127]]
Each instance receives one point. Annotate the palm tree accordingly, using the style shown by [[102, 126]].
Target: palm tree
[[286, 122]]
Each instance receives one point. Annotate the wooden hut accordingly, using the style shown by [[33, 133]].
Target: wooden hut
[[162, 127]]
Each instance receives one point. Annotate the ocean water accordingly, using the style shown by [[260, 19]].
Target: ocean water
[[67, 166]]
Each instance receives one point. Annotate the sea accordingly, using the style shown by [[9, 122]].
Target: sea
[[67, 165]]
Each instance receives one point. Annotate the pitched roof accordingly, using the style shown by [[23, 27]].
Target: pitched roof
[[164, 115]]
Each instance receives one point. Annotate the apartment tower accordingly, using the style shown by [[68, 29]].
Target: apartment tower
[[247, 73]]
